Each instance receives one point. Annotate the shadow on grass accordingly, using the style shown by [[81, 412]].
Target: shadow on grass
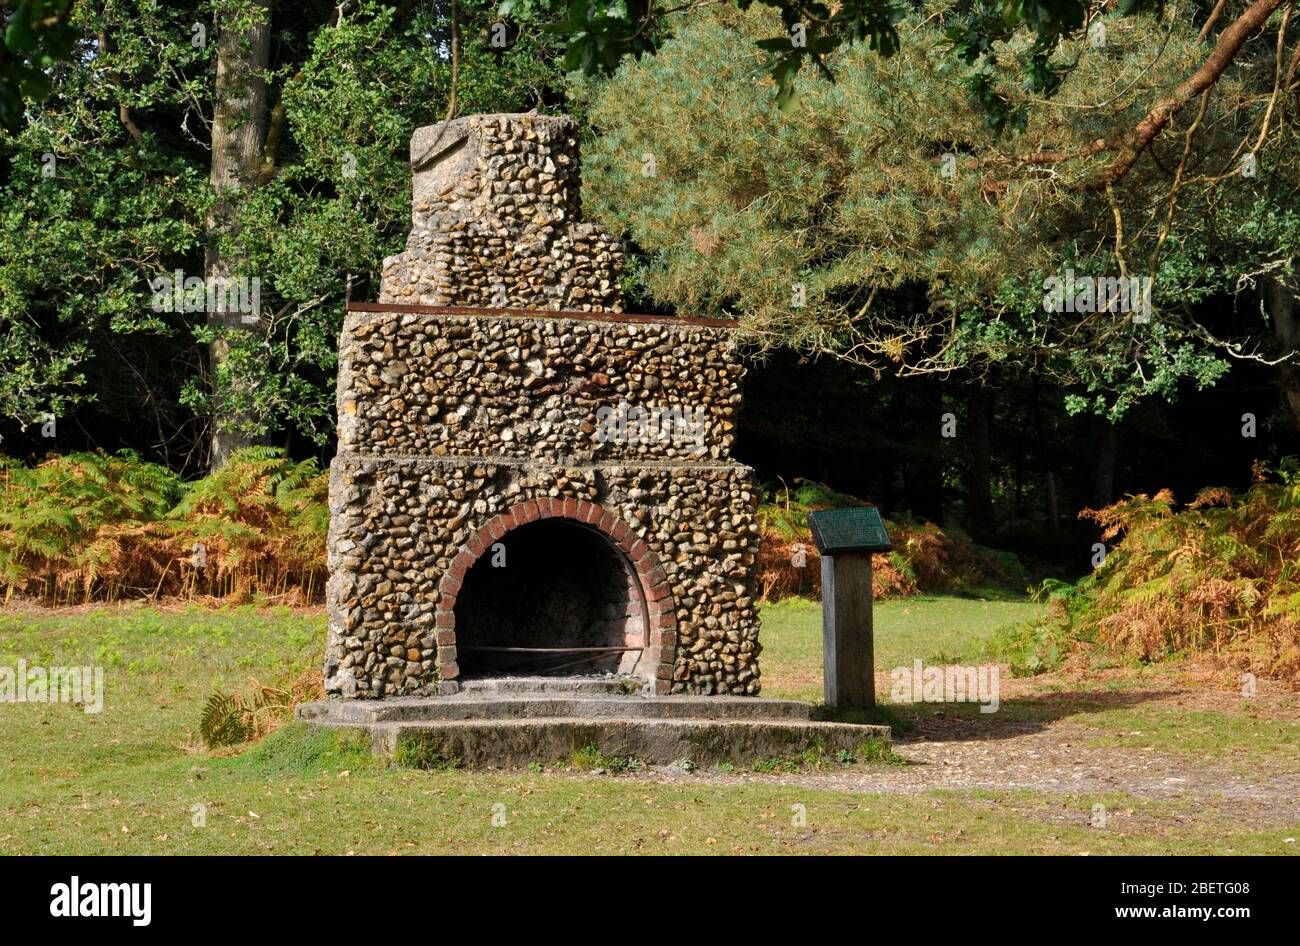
[[965, 721]]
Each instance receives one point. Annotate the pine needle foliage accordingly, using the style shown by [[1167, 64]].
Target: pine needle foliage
[[886, 222]]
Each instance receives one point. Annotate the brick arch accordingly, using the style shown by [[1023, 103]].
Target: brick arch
[[661, 609]]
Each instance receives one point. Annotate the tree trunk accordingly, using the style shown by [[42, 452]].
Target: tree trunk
[[1281, 302], [238, 139], [1053, 508], [979, 469], [1103, 484]]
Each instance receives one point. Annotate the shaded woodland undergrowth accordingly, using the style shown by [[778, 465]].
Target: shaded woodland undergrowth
[[925, 558], [1218, 576], [99, 527]]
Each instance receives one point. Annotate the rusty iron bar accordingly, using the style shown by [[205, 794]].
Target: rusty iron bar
[[551, 650], [573, 663], [540, 656]]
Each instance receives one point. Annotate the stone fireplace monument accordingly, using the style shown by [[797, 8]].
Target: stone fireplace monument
[[543, 486], [538, 537]]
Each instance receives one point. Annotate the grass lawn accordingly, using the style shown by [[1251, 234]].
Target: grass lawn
[[945, 630], [132, 779], [936, 630]]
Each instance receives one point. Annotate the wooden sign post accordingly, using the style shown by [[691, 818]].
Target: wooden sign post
[[846, 539]]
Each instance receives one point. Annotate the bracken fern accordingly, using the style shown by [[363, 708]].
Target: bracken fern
[[1219, 576], [94, 526]]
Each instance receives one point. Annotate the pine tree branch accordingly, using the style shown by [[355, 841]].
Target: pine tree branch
[[1230, 42]]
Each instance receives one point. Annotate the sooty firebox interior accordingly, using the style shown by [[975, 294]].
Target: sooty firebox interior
[[551, 597]]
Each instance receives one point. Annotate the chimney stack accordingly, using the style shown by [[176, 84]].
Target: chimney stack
[[496, 221]]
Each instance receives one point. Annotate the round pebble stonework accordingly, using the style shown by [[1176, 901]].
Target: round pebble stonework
[[405, 510], [496, 220], [458, 427], [531, 387]]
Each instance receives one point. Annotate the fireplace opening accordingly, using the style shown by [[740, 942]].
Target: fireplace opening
[[554, 597]]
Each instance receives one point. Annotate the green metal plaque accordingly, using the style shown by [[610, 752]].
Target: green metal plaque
[[849, 530]]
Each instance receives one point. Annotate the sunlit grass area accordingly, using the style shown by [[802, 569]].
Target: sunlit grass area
[[936, 630], [132, 779]]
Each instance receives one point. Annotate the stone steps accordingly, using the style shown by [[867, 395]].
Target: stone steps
[[569, 686], [512, 742], [484, 730], [465, 706]]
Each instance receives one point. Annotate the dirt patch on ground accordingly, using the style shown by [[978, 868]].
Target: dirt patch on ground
[[1054, 760], [1043, 742], [1194, 684]]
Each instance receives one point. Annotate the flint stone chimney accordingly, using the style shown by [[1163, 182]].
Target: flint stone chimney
[[497, 220]]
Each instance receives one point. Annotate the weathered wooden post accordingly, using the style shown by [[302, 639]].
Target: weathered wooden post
[[846, 539]]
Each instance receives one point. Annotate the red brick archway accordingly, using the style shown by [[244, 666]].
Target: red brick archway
[[661, 617]]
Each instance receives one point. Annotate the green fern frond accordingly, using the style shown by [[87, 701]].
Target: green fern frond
[[224, 721]]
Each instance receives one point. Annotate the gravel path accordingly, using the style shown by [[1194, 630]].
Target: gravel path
[[1055, 755]]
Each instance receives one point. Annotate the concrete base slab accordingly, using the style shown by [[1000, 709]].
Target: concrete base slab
[[518, 725]]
